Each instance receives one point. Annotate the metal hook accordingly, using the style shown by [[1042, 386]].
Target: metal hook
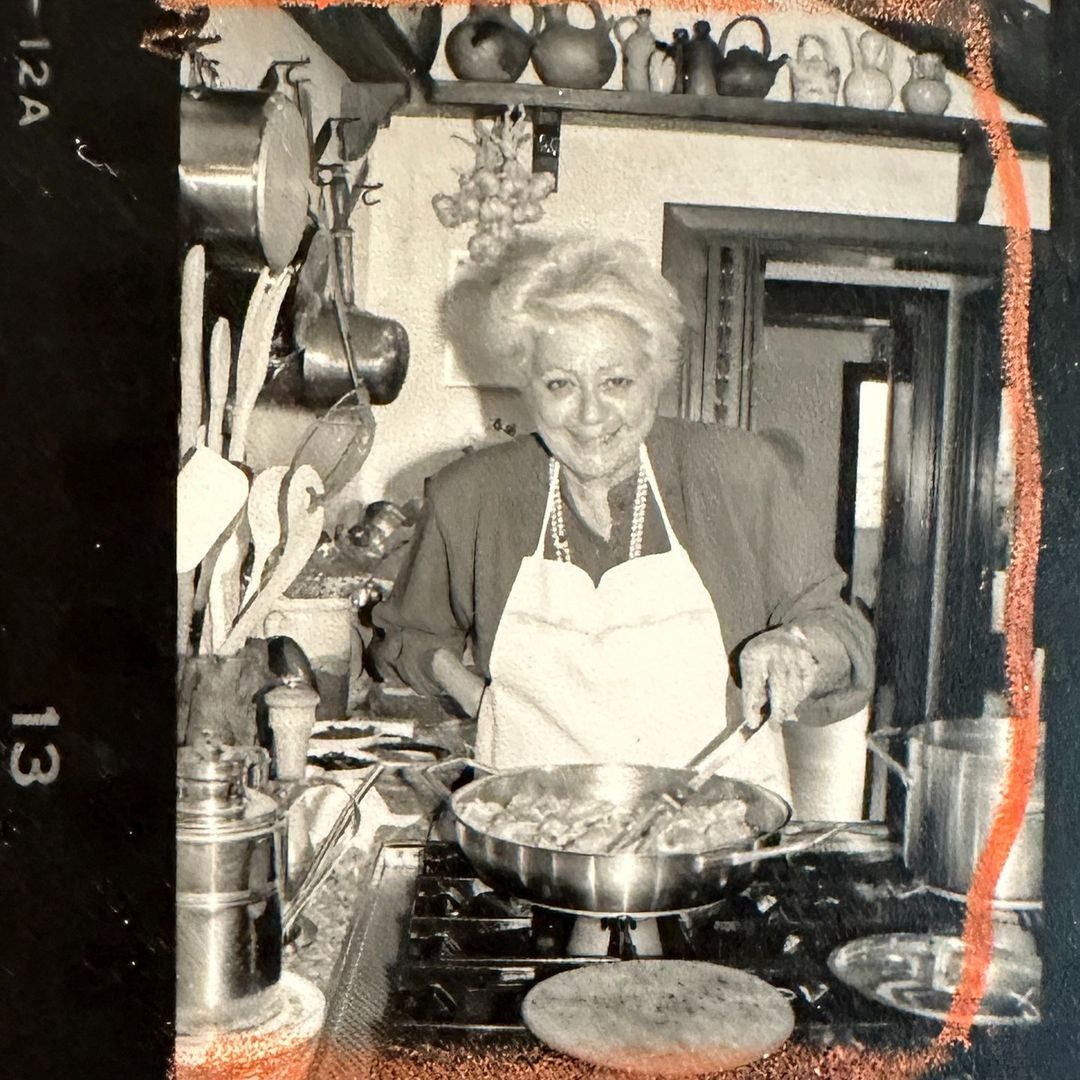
[[365, 189]]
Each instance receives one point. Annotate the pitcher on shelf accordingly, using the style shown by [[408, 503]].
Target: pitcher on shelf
[[638, 43], [869, 85], [574, 57]]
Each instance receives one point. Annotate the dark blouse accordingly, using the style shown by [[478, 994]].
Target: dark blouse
[[732, 506]]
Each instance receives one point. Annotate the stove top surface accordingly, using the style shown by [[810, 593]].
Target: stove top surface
[[467, 956]]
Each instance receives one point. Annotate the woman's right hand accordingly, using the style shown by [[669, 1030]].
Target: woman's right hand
[[463, 685]]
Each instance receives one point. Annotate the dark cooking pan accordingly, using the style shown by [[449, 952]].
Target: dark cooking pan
[[627, 883]]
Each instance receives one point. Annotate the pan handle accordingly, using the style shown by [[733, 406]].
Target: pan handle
[[875, 743], [740, 858], [432, 775]]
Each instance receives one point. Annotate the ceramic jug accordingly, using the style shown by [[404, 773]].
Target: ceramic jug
[[638, 44], [680, 39], [701, 57], [488, 46], [926, 92], [574, 57], [745, 72], [663, 70], [869, 86], [814, 77]]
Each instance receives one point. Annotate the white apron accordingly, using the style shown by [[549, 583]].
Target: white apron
[[632, 670]]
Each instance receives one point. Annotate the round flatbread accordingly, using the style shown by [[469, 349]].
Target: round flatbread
[[665, 1017]]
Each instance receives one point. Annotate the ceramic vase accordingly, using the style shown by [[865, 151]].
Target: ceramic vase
[[926, 93]]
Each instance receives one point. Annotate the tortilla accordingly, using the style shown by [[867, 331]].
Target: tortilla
[[664, 1017]]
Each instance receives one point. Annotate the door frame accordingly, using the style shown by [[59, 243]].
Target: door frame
[[693, 233]]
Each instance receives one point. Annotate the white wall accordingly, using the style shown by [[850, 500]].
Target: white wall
[[797, 387], [613, 181]]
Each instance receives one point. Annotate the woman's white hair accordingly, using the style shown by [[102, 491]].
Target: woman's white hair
[[542, 282]]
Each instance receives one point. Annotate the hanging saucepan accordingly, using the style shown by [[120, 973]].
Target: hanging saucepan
[[244, 174], [344, 347], [631, 883]]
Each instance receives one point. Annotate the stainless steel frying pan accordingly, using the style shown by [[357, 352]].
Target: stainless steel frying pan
[[632, 883]]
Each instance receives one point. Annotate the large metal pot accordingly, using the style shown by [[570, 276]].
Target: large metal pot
[[244, 176], [627, 883], [955, 776]]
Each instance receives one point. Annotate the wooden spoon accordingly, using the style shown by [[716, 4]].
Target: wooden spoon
[[220, 369], [223, 599], [254, 355], [303, 527], [264, 522], [191, 348], [193, 283]]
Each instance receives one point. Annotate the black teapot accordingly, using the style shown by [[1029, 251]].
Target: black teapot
[[745, 72]]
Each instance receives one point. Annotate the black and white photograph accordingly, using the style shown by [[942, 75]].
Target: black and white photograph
[[541, 539]]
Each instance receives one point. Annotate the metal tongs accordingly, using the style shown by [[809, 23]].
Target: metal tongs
[[670, 804]]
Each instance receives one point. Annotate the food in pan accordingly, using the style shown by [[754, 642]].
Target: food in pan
[[590, 825]]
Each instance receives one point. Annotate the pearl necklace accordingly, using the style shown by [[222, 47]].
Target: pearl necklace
[[558, 522]]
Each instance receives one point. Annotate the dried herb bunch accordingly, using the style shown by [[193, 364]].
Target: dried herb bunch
[[499, 192]]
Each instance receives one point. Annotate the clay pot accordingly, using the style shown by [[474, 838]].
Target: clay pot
[[926, 93], [574, 57], [488, 46]]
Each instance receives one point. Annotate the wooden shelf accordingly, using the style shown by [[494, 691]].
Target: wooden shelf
[[778, 119]]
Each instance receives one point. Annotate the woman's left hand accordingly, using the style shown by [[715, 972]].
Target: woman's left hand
[[779, 670]]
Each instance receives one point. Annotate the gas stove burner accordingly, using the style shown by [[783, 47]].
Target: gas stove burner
[[677, 913]]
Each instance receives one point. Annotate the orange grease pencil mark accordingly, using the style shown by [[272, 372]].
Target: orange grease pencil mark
[[968, 18], [1027, 532]]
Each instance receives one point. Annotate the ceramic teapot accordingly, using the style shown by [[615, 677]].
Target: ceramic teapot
[[701, 56], [745, 72], [638, 44], [574, 57], [814, 77], [488, 46], [869, 86], [926, 92]]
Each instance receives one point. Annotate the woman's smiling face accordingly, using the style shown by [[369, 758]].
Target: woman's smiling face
[[593, 393]]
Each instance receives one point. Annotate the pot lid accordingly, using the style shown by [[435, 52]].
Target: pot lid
[[919, 973]]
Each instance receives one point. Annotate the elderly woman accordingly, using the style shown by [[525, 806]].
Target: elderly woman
[[616, 573]]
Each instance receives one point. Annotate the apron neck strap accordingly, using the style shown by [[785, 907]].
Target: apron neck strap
[[650, 476], [555, 470]]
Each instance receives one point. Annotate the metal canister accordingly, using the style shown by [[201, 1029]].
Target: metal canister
[[230, 860]]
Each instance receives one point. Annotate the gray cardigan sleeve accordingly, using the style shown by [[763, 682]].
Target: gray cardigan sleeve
[[430, 607], [804, 583]]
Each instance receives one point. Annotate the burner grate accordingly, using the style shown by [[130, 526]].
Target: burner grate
[[469, 955]]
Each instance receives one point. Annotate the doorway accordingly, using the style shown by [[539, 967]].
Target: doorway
[[856, 340]]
